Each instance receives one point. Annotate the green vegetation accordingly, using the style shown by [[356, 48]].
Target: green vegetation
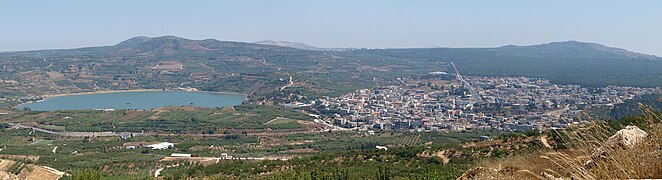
[[110, 155], [359, 159], [260, 71], [247, 117], [258, 129], [363, 164], [562, 63], [280, 120], [600, 150], [85, 175], [634, 106], [16, 168], [326, 155]]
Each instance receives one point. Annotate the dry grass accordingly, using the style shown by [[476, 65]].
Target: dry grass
[[29, 171], [599, 158], [589, 155]]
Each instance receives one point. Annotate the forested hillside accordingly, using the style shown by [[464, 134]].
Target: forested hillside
[[571, 62], [261, 70]]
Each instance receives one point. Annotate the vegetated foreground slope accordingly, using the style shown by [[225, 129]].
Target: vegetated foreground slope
[[626, 149]]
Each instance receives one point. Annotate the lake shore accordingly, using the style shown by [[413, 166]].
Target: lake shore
[[98, 92], [48, 96]]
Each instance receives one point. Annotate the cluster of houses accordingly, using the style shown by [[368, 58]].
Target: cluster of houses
[[494, 103]]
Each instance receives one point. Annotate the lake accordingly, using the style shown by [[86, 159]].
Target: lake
[[135, 100]]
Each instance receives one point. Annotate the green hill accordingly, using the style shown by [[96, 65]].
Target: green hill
[[260, 70]]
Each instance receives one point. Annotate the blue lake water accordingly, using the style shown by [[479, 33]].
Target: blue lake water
[[136, 100]]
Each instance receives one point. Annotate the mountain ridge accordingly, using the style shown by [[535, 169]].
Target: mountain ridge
[[171, 44], [296, 45], [572, 46], [571, 62]]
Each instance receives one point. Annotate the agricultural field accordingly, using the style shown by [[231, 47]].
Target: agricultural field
[[190, 120], [357, 158], [116, 160]]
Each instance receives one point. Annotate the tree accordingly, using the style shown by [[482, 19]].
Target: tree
[[383, 173], [86, 175]]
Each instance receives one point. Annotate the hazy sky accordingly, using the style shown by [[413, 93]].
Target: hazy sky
[[634, 25]]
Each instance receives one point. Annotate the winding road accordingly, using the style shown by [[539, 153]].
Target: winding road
[[288, 84]]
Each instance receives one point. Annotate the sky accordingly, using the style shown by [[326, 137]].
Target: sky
[[633, 25]]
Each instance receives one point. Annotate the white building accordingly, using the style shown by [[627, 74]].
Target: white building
[[160, 146], [180, 155]]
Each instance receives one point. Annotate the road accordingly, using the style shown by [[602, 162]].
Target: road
[[289, 84], [108, 133], [331, 126], [557, 112], [271, 134], [71, 134], [472, 90]]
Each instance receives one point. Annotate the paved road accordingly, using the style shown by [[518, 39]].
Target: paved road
[[72, 134], [108, 133], [472, 90], [249, 134]]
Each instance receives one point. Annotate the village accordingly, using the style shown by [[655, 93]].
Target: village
[[441, 102]]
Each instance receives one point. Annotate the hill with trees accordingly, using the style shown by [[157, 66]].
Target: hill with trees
[[261, 70]]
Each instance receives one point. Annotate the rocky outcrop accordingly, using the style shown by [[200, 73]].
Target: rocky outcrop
[[623, 139], [628, 137]]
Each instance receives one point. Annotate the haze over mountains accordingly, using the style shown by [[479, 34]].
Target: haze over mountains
[[296, 45], [564, 48]]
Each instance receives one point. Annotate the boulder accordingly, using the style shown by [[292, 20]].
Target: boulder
[[625, 138], [628, 137]]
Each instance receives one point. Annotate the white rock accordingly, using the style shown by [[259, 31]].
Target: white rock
[[628, 137], [624, 138]]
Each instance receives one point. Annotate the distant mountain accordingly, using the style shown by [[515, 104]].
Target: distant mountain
[[296, 45], [171, 45], [572, 49], [569, 62], [174, 45], [155, 46]]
